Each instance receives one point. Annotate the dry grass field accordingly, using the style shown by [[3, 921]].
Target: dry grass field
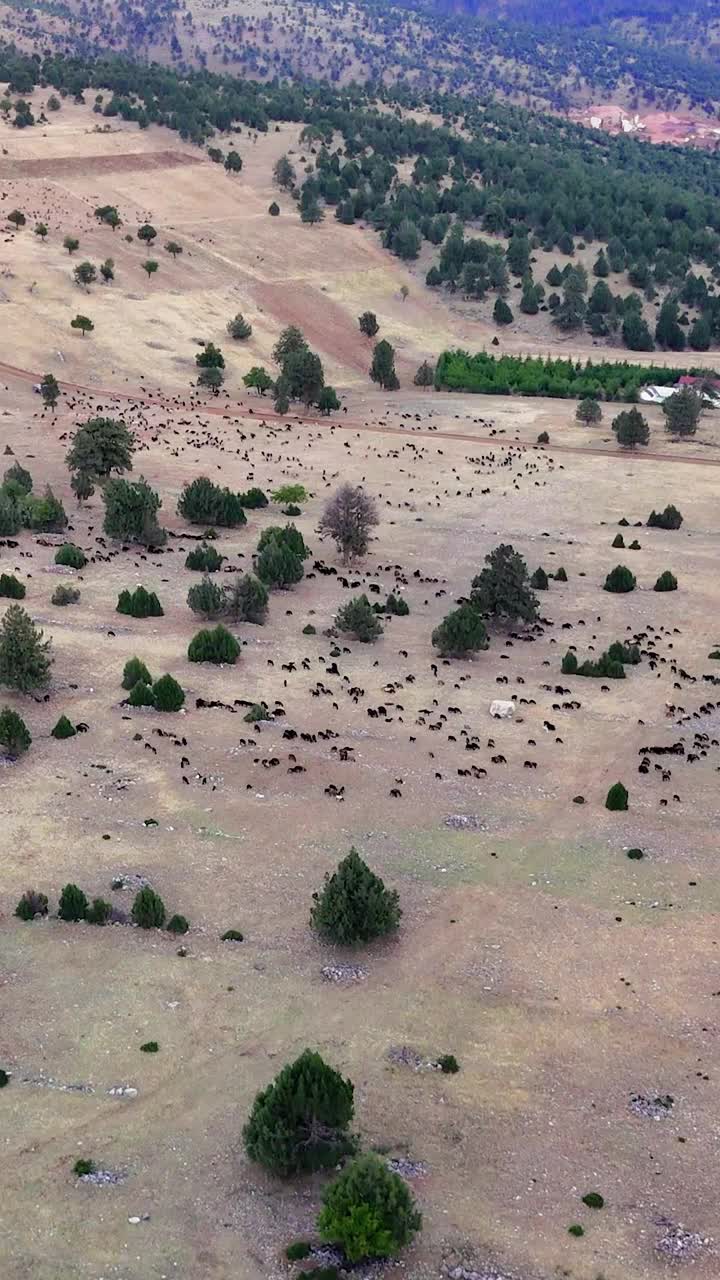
[[571, 982]]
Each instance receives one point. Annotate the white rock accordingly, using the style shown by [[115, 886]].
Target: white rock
[[502, 710]]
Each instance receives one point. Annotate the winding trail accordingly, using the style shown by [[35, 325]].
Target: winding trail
[[263, 414]]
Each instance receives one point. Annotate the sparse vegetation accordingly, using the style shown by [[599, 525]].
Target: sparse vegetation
[[354, 906]]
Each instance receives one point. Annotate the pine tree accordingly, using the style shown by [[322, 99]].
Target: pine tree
[[277, 565], [299, 1123], [502, 589], [620, 580], [460, 633], [14, 733], [217, 645], [382, 369], [135, 672], [368, 1211], [682, 412], [63, 728], [358, 618], [539, 580], [148, 909], [617, 798], [631, 429], [168, 694], [502, 313], [588, 412], [205, 503], [354, 905], [73, 903], [247, 600], [207, 598], [666, 582], [24, 653]]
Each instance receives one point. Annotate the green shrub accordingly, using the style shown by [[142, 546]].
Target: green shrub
[[666, 582], [148, 909], [448, 1064], [135, 672], [64, 594], [11, 587], [397, 605], [629, 654], [98, 912], [634, 545], [288, 536], [232, 935], [292, 510], [177, 924], [202, 502], [4, 1078], [14, 733], [150, 1046], [461, 632], [576, 1230], [247, 600], [354, 905], [620, 580], [70, 556], [73, 903], [543, 438], [204, 558], [670, 518], [31, 904], [560, 575], [539, 580], [299, 1123], [257, 712], [714, 654], [139, 604], [290, 493], [207, 598], [253, 499], [167, 694], [141, 695], [617, 798], [17, 479], [358, 618], [310, 630], [63, 728], [46, 514], [635, 855], [368, 1211], [618, 541], [278, 566], [83, 1167], [593, 1200], [569, 664], [217, 646], [297, 1250]]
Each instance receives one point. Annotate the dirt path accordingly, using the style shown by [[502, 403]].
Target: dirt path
[[263, 414]]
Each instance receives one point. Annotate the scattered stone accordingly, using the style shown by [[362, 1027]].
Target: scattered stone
[[131, 880], [652, 1108], [407, 1168], [343, 972], [102, 1177], [122, 1091], [677, 1244], [47, 1082], [463, 822]]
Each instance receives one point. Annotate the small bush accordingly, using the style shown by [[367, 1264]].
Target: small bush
[[290, 493], [167, 694], [135, 672], [618, 541], [539, 580], [448, 1064], [83, 1167], [207, 598], [150, 1046], [368, 1211], [4, 1078], [397, 605], [98, 912], [617, 798], [560, 575], [277, 565], [253, 499], [543, 438], [576, 1230], [257, 712], [31, 904], [358, 618], [217, 646], [569, 664], [670, 518], [14, 733], [139, 604], [232, 935], [635, 855], [70, 556], [204, 558], [354, 905], [666, 582], [620, 580], [73, 903], [11, 587], [63, 729], [148, 909], [177, 924], [141, 695], [310, 630], [299, 1249], [291, 510], [460, 633], [64, 595], [593, 1200], [634, 545]]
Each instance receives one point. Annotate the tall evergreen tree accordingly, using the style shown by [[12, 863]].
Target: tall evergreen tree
[[300, 1122]]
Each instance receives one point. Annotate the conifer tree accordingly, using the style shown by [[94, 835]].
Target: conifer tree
[[354, 905], [299, 1123]]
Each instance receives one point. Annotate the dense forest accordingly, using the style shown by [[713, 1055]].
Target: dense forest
[[488, 188], [560, 379]]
